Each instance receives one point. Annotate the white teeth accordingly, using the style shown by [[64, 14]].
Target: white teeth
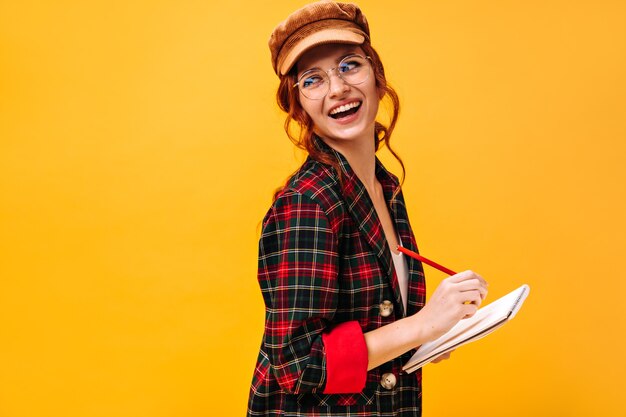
[[345, 107]]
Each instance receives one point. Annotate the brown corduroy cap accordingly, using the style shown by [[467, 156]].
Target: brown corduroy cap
[[316, 24]]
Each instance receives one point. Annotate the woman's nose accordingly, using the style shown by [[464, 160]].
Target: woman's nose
[[337, 85]]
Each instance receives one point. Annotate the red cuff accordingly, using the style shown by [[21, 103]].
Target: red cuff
[[346, 359]]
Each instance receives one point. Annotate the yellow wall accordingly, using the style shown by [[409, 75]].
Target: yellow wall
[[140, 144]]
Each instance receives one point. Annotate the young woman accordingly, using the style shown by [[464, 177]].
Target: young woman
[[344, 309]]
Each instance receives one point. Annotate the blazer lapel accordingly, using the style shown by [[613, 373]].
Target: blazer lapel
[[417, 286], [363, 213]]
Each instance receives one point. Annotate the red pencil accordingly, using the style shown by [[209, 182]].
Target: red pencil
[[425, 260]]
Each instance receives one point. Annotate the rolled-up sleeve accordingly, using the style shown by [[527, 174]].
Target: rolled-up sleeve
[[298, 274], [346, 359]]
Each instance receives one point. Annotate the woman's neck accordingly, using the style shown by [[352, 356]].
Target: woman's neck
[[361, 155]]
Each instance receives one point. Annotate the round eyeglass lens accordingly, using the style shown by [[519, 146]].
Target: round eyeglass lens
[[314, 84], [353, 69]]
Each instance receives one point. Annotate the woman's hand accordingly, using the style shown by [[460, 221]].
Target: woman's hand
[[457, 297]]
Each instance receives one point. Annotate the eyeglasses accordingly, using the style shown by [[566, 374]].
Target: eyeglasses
[[315, 84]]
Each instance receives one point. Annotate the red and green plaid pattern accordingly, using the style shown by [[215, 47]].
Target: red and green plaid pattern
[[324, 261]]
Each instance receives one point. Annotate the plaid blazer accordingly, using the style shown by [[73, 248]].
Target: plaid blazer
[[325, 272]]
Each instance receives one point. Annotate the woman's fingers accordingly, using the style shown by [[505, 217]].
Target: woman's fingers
[[468, 289], [471, 297], [467, 275], [464, 285], [457, 297], [472, 285]]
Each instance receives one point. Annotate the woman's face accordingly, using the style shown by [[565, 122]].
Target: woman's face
[[334, 116]]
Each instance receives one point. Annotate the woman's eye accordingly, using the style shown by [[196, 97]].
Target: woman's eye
[[312, 81], [349, 66]]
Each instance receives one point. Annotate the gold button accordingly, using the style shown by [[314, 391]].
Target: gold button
[[388, 381], [386, 308]]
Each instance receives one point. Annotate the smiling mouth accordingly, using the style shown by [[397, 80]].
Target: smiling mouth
[[345, 110]]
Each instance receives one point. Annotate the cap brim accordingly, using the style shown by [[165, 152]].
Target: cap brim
[[321, 37]]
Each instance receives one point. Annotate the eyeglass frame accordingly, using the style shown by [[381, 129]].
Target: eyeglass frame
[[328, 73]]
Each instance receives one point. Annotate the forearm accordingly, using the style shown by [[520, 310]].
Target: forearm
[[457, 297], [394, 339]]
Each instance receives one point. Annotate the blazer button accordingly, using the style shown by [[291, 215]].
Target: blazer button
[[386, 308], [388, 381]]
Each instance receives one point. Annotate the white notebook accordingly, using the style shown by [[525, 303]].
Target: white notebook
[[486, 320]]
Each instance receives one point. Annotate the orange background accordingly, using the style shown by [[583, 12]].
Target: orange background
[[140, 145]]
